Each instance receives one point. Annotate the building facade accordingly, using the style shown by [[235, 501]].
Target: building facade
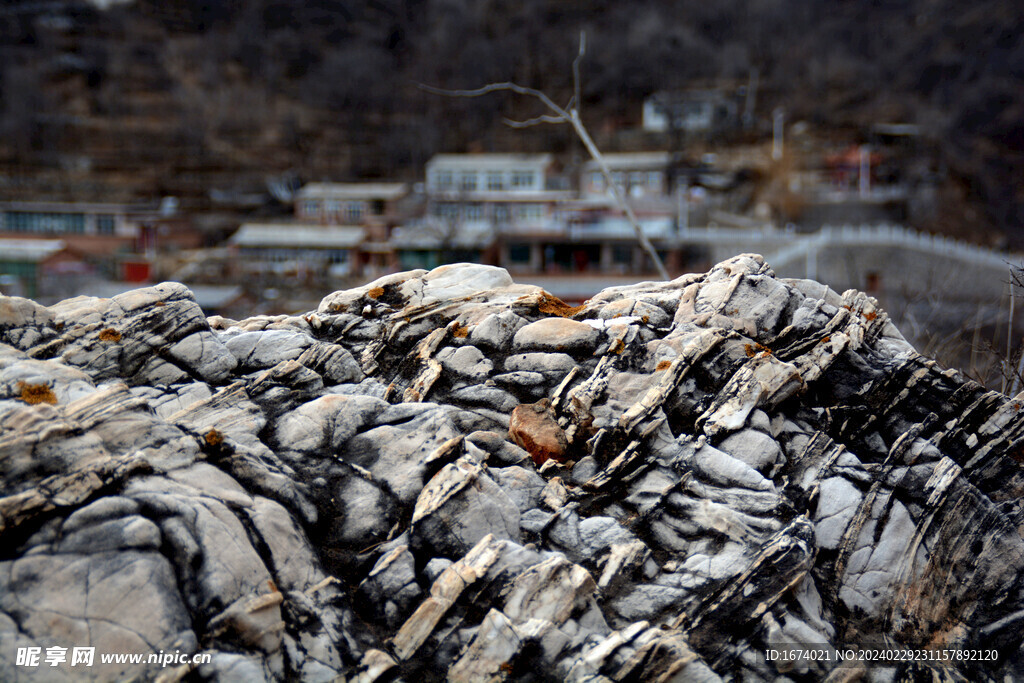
[[294, 251], [362, 204], [511, 192]]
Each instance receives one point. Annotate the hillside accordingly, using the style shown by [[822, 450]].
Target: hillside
[[181, 97]]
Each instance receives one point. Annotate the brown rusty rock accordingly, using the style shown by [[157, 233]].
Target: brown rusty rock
[[533, 427]]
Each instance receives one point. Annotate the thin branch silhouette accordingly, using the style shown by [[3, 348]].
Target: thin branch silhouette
[[571, 115]]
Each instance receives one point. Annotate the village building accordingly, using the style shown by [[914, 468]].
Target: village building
[[696, 111], [293, 251], [377, 208], [517, 211], [40, 268], [120, 240], [362, 204], [638, 174], [512, 192]]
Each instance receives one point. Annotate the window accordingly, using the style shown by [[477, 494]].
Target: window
[[333, 207], [519, 253], [24, 221], [523, 180], [654, 180], [501, 214], [529, 212], [446, 210], [354, 211], [622, 254], [105, 224], [597, 181], [443, 180], [474, 212], [467, 182], [495, 180], [310, 208]]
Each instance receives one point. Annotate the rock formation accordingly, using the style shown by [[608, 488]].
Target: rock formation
[[706, 469]]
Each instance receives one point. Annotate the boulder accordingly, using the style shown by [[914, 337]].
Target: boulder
[[445, 475]]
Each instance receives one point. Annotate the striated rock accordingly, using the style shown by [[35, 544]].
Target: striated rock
[[445, 475], [496, 330], [266, 349], [753, 447], [459, 506], [556, 364], [467, 361], [391, 587], [555, 334]]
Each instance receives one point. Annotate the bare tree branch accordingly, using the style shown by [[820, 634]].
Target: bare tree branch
[[570, 115], [576, 101], [499, 87], [529, 123]]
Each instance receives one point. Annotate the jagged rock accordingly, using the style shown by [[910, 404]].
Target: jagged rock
[[753, 447], [265, 349], [466, 361], [496, 330], [461, 505], [503, 451], [391, 586], [700, 470], [557, 364], [333, 362], [486, 397], [555, 334], [205, 355], [523, 486]]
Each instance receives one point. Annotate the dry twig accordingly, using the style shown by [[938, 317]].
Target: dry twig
[[569, 114]]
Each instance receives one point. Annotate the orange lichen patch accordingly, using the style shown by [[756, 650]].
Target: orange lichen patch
[[552, 305], [617, 347], [645, 319], [459, 330], [110, 335], [375, 293], [755, 348], [34, 394], [59, 327], [870, 316], [160, 303], [663, 365], [214, 438]]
